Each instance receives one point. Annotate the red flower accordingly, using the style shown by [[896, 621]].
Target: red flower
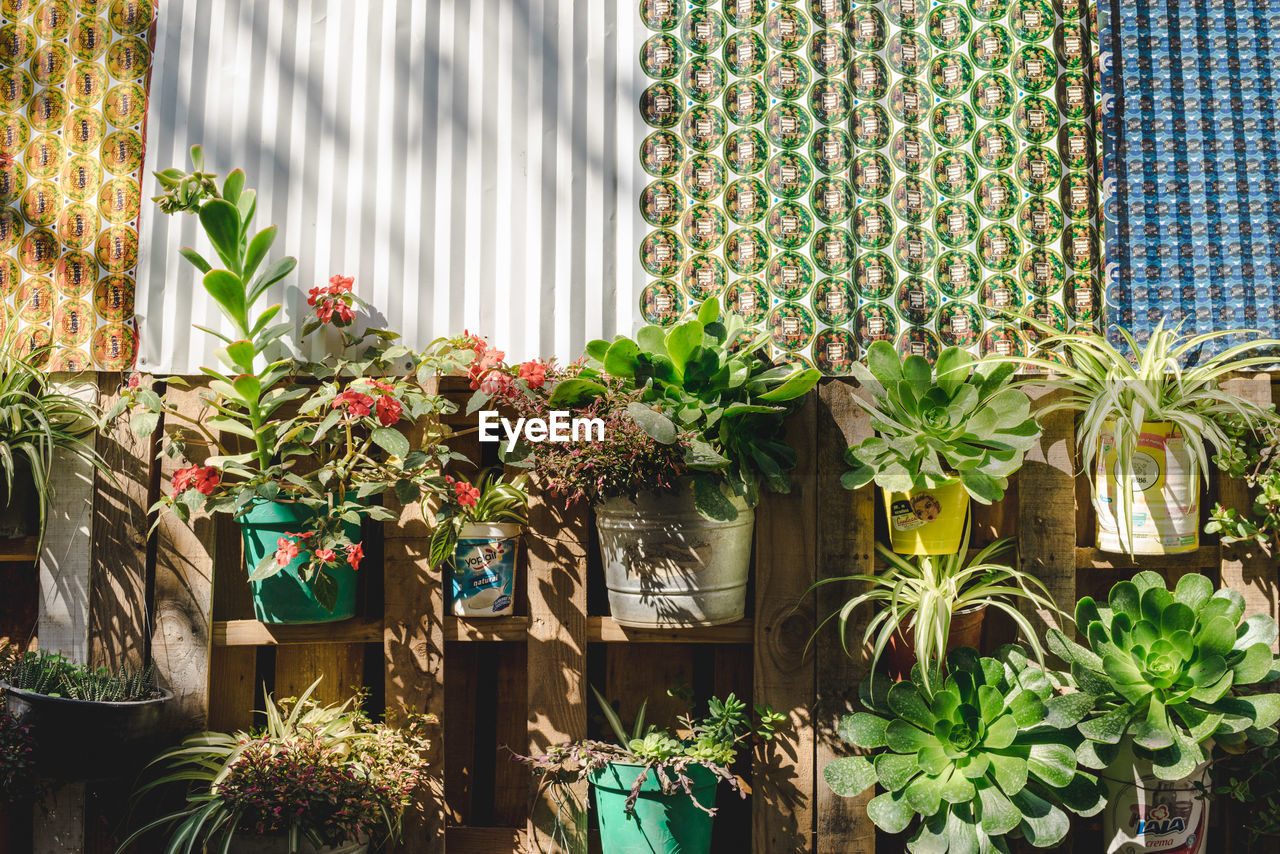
[[388, 410], [327, 308], [355, 554], [494, 382], [357, 403], [135, 379], [381, 386], [203, 479], [339, 284], [314, 294], [466, 494], [286, 551], [475, 342], [534, 373], [326, 555]]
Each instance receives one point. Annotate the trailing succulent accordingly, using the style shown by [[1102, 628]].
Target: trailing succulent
[[1166, 670], [979, 760], [706, 375], [967, 423]]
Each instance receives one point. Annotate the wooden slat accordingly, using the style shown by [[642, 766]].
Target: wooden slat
[[1246, 567], [783, 773], [413, 650], [636, 675], [232, 669], [254, 633], [599, 630], [484, 840], [1207, 555], [18, 550], [845, 545], [461, 689], [339, 667], [511, 779], [1047, 511], [509, 629], [557, 656]]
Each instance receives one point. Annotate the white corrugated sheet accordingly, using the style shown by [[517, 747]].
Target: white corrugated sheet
[[471, 162]]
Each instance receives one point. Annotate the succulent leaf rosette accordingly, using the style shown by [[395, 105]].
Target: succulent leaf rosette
[[1166, 670], [979, 760], [964, 421]]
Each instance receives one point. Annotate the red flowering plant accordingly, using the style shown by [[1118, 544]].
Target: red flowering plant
[[324, 775], [490, 498], [330, 434]]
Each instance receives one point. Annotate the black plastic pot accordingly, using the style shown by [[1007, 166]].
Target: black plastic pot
[[84, 740], [19, 509]]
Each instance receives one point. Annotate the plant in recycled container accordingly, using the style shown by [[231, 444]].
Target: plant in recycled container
[[296, 450], [1251, 456], [491, 498]]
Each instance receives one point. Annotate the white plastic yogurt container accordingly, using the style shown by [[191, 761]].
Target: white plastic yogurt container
[[484, 569]]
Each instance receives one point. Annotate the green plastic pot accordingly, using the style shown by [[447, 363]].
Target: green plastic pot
[[660, 824], [284, 598]]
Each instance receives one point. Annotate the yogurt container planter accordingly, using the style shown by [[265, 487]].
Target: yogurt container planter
[[1164, 493], [483, 575], [927, 521], [668, 566]]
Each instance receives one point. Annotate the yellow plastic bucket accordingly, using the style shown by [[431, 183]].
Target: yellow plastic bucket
[[1165, 485], [928, 521]]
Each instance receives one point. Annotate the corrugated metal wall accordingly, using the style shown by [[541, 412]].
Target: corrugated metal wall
[[471, 162]]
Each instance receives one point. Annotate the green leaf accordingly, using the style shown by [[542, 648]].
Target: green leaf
[[709, 311], [681, 342], [895, 770], [1256, 629], [924, 794], [221, 221], [884, 363], [266, 568], [908, 703], [1001, 733], [1255, 665], [1216, 636], [889, 812], [575, 391], [257, 251], [863, 730], [622, 358], [268, 277], [197, 260], [1108, 728], [903, 737], [797, 385], [1193, 590], [848, 776], [711, 501], [999, 815], [228, 292], [652, 340], [658, 426], [391, 440], [1065, 711], [1043, 824]]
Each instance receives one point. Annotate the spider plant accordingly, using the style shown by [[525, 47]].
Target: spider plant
[[922, 594], [1168, 380], [38, 419], [490, 499]]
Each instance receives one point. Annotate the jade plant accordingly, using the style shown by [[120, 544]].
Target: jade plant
[[706, 375], [977, 762], [962, 421], [1170, 671]]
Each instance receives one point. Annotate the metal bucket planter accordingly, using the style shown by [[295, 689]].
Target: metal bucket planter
[[927, 521], [1146, 814], [668, 566], [1165, 486], [79, 739], [660, 824], [280, 845], [484, 569]]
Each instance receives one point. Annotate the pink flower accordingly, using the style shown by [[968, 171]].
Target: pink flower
[[357, 403], [385, 388], [494, 382], [388, 410], [203, 479], [355, 554], [314, 294], [475, 342], [534, 373], [466, 494], [326, 555], [135, 379], [286, 551], [327, 308]]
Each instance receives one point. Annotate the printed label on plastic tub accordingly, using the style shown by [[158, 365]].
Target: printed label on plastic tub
[[1156, 816], [1165, 486], [484, 575]]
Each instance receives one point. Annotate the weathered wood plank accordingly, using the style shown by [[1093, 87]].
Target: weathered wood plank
[[634, 675], [557, 661], [1246, 567], [1209, 554], [1047, 511], [511, 779], [783, 773], [484, 840], [340, 665], [845, 545], [250, 633]]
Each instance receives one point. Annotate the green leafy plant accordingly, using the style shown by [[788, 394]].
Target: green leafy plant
[[18, 780], [923, 593], [491, 498], [705, 375], [1252, 779], [1167, 380], [323, 774], [53, 675], [971, 765], [962, 420], [1170, 671], [712, 741], [1250, 456], [38, 419]]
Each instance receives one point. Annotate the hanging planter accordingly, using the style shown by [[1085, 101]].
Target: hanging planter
[[1145, 813], [281, 845], [1163, 486], [927, 520], [285, 598], [659, 823], [666, 565]]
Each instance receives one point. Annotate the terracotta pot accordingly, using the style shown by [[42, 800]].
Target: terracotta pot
[[966, 630]]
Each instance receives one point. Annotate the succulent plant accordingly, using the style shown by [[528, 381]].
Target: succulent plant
[[977, 761], [1165, 669], [967, 423]]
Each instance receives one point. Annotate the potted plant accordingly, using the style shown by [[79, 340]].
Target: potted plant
[[19, 785], [84, 719], [942, 436], [924, 606], [1162, 676], [297, 451], [1145, 419], [655, 791], [477, 534], [40, 419], [1251, 778], [971, 765], [1251, 455], [317, 780], [677, 548]]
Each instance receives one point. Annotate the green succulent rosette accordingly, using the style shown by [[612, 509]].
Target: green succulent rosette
[[980, 761], [1169, 670]]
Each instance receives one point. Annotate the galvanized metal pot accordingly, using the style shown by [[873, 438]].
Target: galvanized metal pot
[[668, 566]]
